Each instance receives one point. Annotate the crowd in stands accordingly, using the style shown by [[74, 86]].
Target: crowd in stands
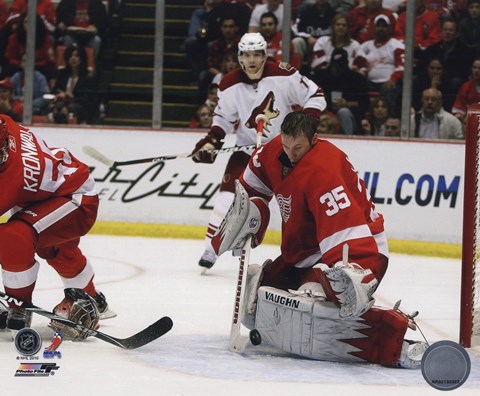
[[67, 45], [354, 50]]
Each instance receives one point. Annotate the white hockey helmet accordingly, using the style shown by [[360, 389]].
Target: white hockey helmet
[[3, 141], [252, 42]]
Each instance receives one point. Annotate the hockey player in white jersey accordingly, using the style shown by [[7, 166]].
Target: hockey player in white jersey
[[259, 90]]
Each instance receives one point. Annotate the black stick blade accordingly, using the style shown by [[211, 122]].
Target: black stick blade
[[147, 335]]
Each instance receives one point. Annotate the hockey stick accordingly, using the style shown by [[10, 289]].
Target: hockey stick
[[260, 119], [149, 334], [239, 342], [94, 153]]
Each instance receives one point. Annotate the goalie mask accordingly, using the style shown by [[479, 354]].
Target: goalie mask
[[78, 307], [3, 141], [252, 54]]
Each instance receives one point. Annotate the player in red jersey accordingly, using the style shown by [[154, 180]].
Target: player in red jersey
[[316, 298], [52, 201], [259, 90]]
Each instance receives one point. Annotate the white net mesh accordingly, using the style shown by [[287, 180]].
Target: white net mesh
[[470, 308], [476, 246]]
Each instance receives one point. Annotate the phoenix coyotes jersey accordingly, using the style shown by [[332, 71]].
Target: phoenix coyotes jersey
[[34, 172], [323, 205], [280, 90]]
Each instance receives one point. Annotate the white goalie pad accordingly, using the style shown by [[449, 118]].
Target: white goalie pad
[[254, 277], [246, 216], [306, 326]]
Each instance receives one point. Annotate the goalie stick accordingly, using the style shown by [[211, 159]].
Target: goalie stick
[[94, 153], [238, 342], [147, 335]]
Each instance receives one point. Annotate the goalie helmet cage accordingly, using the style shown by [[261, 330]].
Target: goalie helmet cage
[[470, 288]]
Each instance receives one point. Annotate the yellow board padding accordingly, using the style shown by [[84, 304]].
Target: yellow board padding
[[176, 231], [416, 248]]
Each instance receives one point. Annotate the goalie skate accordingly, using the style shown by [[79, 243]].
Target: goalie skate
[[411, 354], [411, 317]]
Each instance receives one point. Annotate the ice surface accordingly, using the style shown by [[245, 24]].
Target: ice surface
[[146, 278]]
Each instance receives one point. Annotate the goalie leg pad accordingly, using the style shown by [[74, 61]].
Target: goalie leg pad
[[246, 216], [312, 327], [254, 277], [305, 326]]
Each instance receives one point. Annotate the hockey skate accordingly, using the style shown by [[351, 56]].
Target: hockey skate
[[411, 354], [3, 317], [102, 306], [208, 259], [18, 318]]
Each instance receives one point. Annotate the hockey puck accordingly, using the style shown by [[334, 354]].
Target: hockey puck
[[255, 337]]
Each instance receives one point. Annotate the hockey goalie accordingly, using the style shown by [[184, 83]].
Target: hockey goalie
[[316, 299]]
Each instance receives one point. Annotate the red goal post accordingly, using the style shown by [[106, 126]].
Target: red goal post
[[470, 287]]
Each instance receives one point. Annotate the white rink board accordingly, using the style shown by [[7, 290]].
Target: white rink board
[[418, 186]]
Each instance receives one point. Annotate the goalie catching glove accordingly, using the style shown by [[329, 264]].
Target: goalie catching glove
[[78, 307], [246, 217], [350, 286], [205, 149]]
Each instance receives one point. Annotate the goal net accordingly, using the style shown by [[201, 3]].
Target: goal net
[[470, 289]]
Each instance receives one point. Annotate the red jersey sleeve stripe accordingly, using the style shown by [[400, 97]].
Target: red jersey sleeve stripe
[[255, 183]]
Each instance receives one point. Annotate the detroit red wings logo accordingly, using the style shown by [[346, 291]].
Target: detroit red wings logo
[[265, 111], [285, 205]]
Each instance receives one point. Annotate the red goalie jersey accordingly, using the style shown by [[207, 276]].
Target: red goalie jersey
[[35, 172], [323, 203]]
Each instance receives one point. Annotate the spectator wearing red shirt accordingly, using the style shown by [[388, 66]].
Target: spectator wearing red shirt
[[469, 92], [456, 9], [3, 13], [45, 8], [361, 20], [82, 22], [273, 37], [16, 48], [428, 30], [3, 33]]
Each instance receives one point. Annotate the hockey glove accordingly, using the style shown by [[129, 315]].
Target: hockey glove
[[350, 286], [204, 150]]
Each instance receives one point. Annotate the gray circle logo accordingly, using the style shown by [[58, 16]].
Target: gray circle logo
[[446, 365], [28, 342]]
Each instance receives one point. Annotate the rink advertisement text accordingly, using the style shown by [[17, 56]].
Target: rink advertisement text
[[422, 190], [418, 186], [434, 190]]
